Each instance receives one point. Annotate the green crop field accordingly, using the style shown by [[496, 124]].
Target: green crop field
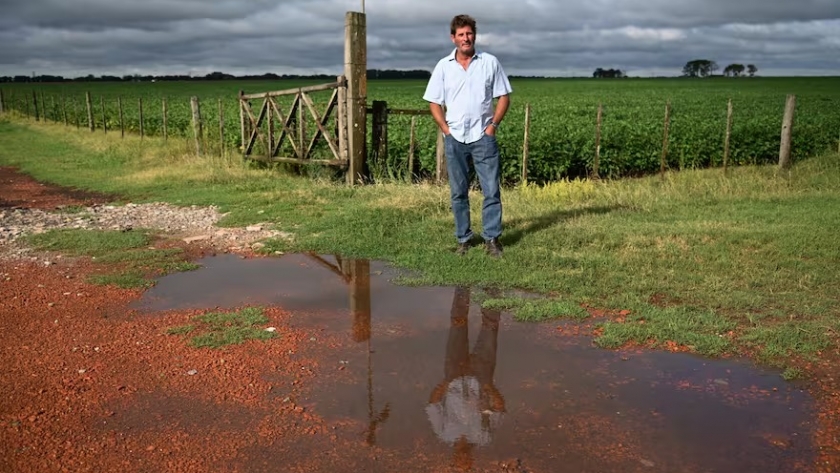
[[563, 116]]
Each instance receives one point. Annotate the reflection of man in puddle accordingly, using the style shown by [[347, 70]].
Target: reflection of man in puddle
[[466, 407]]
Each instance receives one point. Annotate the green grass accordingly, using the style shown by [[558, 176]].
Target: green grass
[[131, 263], [219, 329], [693, 257]]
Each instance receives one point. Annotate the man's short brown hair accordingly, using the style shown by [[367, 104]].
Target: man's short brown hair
[[461, 21]]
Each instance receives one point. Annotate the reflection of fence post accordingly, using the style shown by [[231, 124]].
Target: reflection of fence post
[[787, 132], [355, 69], [360, 298]]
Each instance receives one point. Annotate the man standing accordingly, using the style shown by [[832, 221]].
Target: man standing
[[466, 82]]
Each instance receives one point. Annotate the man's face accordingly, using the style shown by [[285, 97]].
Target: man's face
[[464, 39]]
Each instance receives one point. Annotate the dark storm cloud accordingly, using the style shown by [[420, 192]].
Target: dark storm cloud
[[77, 37]]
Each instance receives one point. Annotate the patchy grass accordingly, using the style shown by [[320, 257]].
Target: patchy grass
[[693, 256], [130, 262], [218, 329], [537, 310]]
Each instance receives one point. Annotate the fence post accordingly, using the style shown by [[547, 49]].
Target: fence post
[[441, 173], [665, 140], [596, 165], [64, 109], [35, 104], [787, 132], [221, 130], [196, 121], [140, 106], [379, 134], [122, 122], [2, 105], [525, 143], [341, 119], [165, 131], [355, 69], [89, 111], [104, 117], [241, 121], [728, 134], [411, 144]]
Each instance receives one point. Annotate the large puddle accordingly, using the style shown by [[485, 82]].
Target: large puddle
[[426, 372]]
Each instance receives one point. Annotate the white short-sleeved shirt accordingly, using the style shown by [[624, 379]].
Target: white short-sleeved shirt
[[459, 414], [467, 93]]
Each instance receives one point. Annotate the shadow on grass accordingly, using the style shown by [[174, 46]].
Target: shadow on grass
[[518, 228]]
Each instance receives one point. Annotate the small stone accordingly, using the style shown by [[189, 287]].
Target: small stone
[[82, 371], [647, 463], [722, 382], [253, 228], [192, 372], [271, 329], [196, 238]]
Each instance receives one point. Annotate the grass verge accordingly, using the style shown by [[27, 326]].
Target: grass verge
[[130, 261], [739, 262]]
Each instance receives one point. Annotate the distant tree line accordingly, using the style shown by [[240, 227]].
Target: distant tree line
[[602, 73], [706, 68], [213, 76]]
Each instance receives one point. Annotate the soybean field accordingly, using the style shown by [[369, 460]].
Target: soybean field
[[561, 136]]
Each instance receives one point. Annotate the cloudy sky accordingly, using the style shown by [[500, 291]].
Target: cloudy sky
[[532, 37]]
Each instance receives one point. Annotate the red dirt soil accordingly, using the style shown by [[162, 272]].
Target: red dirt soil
[[87, 385]]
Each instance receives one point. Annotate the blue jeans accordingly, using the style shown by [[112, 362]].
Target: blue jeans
[[484, 154]]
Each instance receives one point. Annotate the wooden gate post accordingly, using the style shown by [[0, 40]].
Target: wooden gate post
[[787, 132], [379, 134], [355, 70]]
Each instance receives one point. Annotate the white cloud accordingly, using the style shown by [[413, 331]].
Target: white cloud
[[653, 37]]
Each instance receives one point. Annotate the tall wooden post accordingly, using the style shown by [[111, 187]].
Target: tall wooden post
[[441, 173], [2, 105], [122, 121], [341, 119], [91, 126], [525, 140], [379, 134], [196, 122], [355, 69], [596, 165], [787, 132], [35, 103], [664, 158], [728, 135]]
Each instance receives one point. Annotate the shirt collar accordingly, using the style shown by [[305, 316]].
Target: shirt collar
[[477, 54]]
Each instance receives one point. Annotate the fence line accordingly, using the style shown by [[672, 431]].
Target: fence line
[[36, 107]]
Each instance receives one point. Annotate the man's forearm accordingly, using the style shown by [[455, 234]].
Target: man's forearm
[[501, 109], [439, 116]]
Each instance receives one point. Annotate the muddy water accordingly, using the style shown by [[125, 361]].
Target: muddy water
[[425, 377]]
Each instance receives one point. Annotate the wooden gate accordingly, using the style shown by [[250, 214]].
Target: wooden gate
[[292, 124]]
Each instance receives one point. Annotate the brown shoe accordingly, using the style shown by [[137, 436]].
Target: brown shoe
[[493, 247], [462, 248]]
